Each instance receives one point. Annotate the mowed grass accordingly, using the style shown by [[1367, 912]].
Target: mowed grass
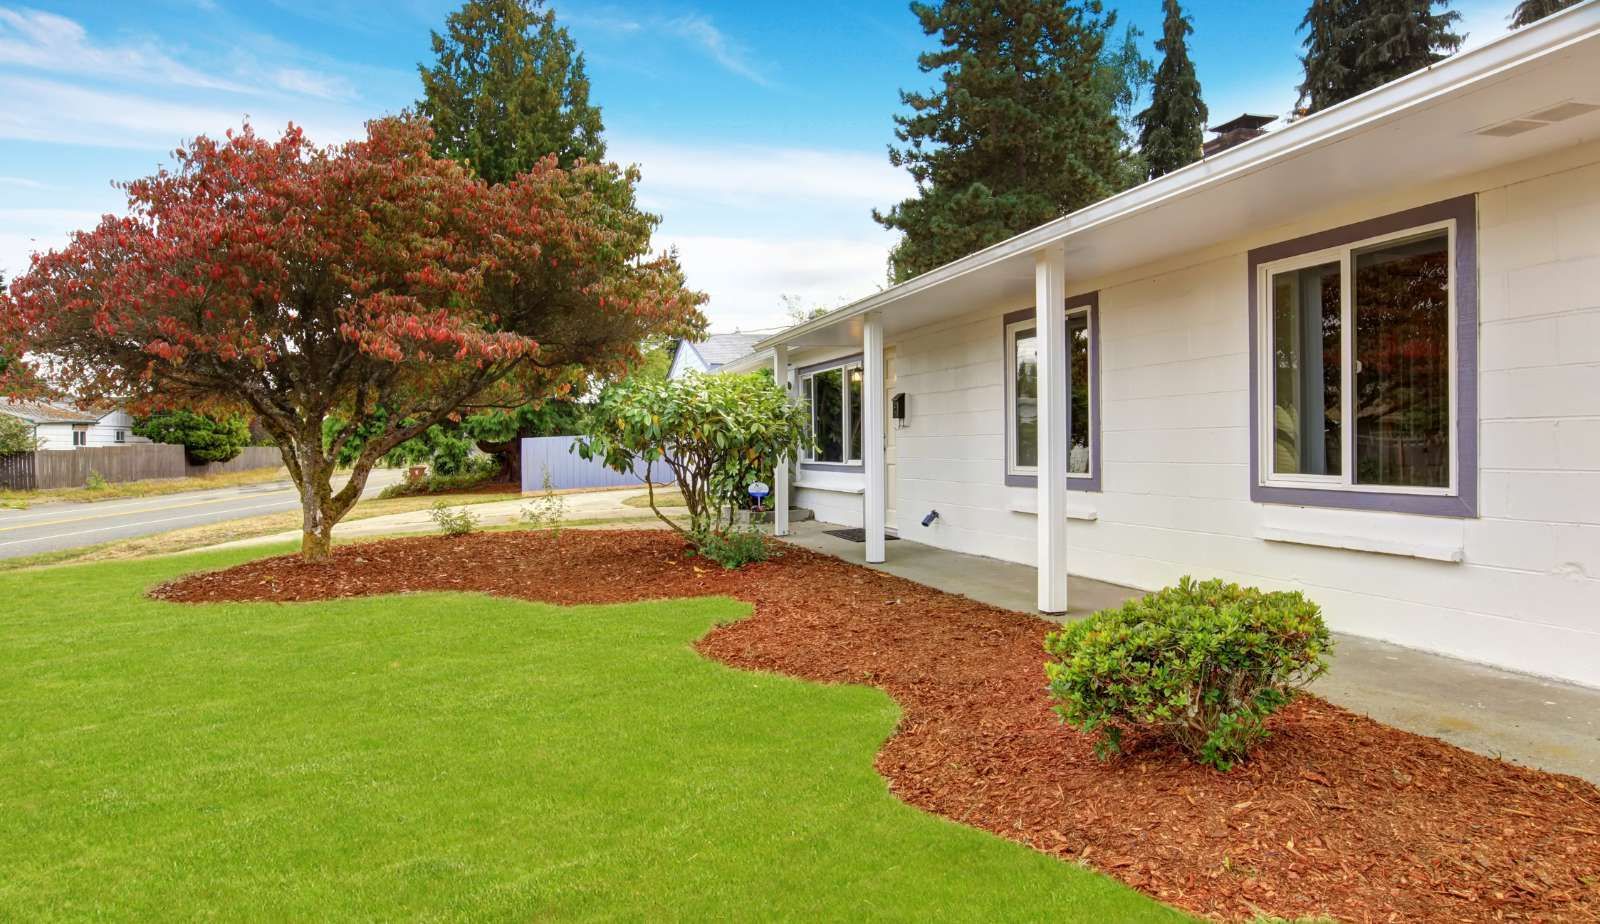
[[454, 757]]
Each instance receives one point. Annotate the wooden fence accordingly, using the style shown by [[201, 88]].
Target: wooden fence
[[70, 468], [567, 469]]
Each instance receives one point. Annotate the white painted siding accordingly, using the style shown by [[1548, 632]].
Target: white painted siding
[[1175, 419], [54, 436], [104, 433]]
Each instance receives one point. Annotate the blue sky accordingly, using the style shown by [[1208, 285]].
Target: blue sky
[[760, 127]]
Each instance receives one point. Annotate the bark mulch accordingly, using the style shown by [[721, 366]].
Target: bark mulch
[[1337, 815]]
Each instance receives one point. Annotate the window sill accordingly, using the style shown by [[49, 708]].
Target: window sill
[[1026, 502], [836, 487], [1405, 548]]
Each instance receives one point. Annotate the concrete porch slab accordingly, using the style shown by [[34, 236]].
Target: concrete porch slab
[[1541, 723]]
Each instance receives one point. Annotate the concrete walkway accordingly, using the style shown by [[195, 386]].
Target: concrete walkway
[[1541, 723], [605, 505]]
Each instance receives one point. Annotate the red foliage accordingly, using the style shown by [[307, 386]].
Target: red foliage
[[301, 283]]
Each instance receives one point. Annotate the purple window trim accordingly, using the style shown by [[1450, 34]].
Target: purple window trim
[[1091, 482], [845, 468], [1464, 503]]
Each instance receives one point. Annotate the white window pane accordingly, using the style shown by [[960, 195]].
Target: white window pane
[[1025, 388], [1306, 371], [1402, 347]]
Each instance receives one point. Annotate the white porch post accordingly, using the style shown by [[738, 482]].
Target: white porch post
[[1050, 323], [780, 474], [875, 496]]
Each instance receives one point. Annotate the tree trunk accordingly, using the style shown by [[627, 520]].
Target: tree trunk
[[508, 456], [316, 506]]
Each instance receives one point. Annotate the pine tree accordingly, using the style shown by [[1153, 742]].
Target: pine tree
[[1020, 132], [509, 89], [1172, 129], [1529, 12], [1126, 74], [1353, 46]]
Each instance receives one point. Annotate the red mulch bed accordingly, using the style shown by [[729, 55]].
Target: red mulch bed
[[1337, 815]]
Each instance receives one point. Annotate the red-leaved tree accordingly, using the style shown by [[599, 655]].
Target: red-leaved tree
[[372, 283]]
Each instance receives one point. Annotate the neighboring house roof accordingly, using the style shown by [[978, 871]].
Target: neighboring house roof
[[43, 412], [1499, 103], [719, 349]]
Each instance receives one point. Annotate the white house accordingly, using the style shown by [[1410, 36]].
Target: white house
[[1358, 357], [57, 426], [710, 354]]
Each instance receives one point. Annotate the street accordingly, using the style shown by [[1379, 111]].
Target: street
[[52, 527]]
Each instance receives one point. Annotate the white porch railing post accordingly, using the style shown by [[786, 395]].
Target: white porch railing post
[[872, 455], [780, 474], [1050, 324]]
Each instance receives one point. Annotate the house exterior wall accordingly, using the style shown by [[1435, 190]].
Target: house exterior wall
[[54, 435], [104, 433], [685, 360], [1175, 399]]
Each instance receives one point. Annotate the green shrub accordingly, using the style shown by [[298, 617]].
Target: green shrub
[[16, 435], [547, 511], [203, 437], [732, 548], [95, 481], [476, 471], [453, 521], [1203, 664]]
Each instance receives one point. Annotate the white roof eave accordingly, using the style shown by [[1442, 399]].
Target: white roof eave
[[1412, 93]]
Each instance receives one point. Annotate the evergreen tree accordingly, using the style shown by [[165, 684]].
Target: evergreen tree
[[1020, 132], [1172, 129], [1353, 46], [1125, 75], [509, 89], [1529, 12]]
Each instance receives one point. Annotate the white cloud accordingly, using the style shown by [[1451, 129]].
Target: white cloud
[[21, 181], [37, 229], [312, 83], [44, 41], [44, 110], [746, 277], [725, 51], [751, 175]]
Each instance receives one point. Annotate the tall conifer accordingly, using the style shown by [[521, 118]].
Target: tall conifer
[[1172, 129], [1019, 132]]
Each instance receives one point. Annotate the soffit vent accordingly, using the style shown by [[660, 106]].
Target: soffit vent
[[1513, 127], [1560, 112], [1563, 111]]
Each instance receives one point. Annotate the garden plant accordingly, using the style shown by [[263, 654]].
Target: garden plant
[[1202, 664], [716, 433]]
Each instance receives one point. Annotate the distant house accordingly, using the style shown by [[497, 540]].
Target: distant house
[[58, 426], [710, 354]]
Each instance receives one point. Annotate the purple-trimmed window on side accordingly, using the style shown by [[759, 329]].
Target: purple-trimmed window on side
[[1363, 365], [1083, 408]]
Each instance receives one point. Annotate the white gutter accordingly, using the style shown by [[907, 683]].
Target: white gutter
[[1336, 123]]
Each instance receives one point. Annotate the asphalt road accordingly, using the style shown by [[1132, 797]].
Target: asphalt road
[[52, 527]]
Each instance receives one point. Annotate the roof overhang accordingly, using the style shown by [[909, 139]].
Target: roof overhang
[[1418, 130]]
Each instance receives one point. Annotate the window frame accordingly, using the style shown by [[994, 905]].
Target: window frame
[[1017, 476], [1458, 219], [805, 379], [80, 437]]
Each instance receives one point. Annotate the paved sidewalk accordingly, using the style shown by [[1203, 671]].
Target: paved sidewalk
[[1541, 723], [579, 506]]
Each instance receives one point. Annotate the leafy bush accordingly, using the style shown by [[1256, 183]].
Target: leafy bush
[[475, 472], [547, 511], [1203, 663], [95, 481], [453, 521], [733, 548], [717, 433], [203, 437], [16, 435]]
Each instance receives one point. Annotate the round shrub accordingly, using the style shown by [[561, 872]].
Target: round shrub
[[205, 438], [1202, 664]]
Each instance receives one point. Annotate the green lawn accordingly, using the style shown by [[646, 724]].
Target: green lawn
[[455, 757]]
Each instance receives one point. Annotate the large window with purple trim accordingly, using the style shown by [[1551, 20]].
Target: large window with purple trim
[[1358, 384]]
